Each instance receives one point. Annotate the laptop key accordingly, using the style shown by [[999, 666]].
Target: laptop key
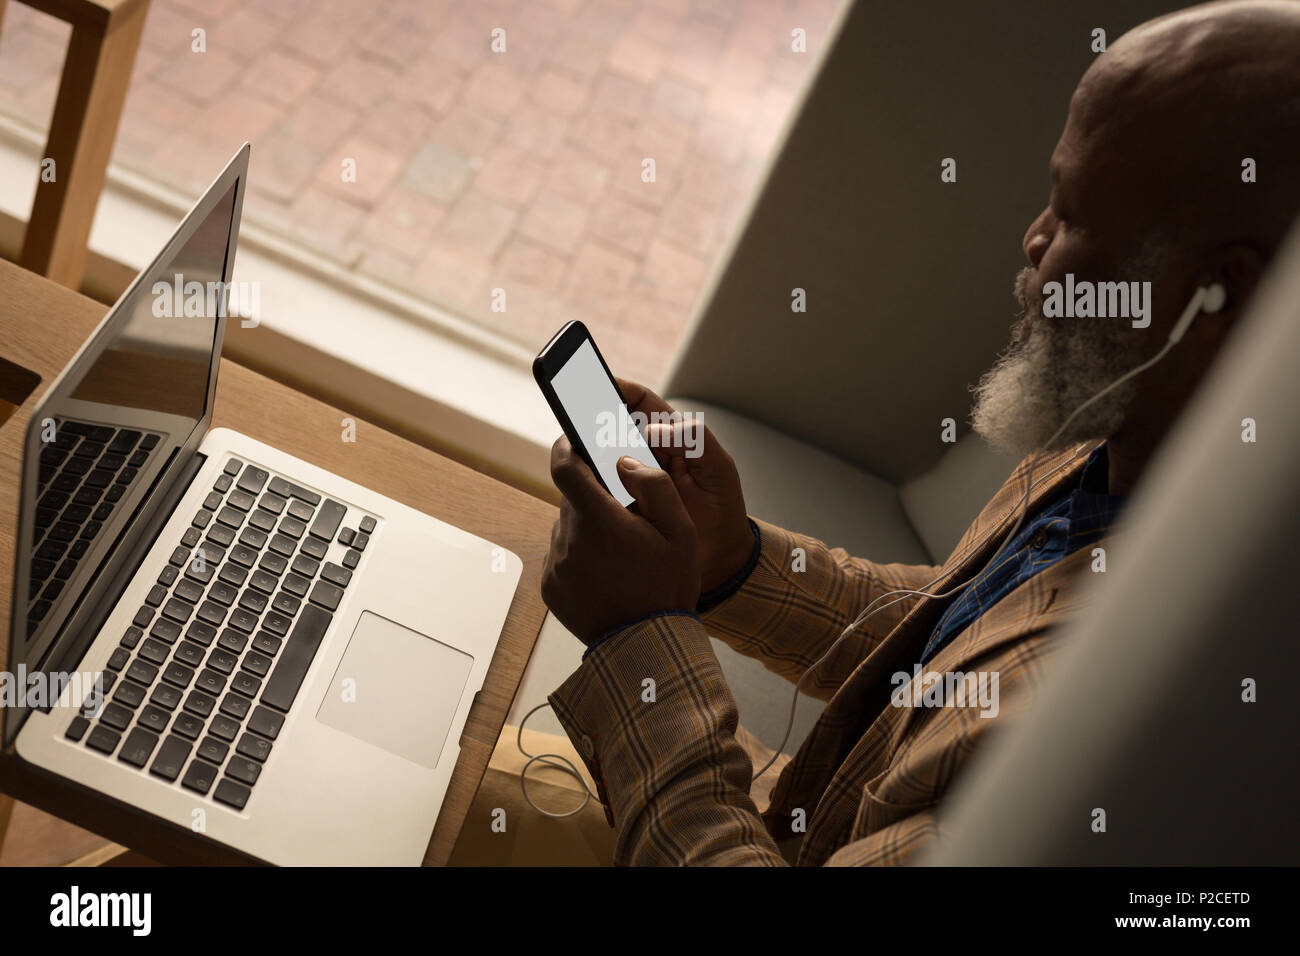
[[253, 601], [117, 660], [200, 703], [189, 590], [233, 640], [128, 694], [220, 534], [360, 541], [230, 517], [153, 651], [277, 622], [200, 632], [300, 510], [190, 654], [246, 684], [351, 559], [266, 643], [143, 617], [252, 538], [222, 484], [256, 663], [231, 793], [165, 630], [188, 725], [224, 727], [287, 604], [242, 556], [293, 528], [168, 576], [297, 585], [243, 621], [116, 716], [157, 594], [273, 563], [296, 657], [335, 575], [326, 595], [171, 757], [213, 749], [272, 503], [125, 440], [266, 722], [200, 776], [315, 548], [346, 536], [142, 672], [233, 575], [223, 593], [77, 729], [178, 674], [233, 466], [165, 696], [244, 770], [367, 524], [139, 746], [262, 520], [232, 705], [103, 739], [252, 479], [241, 500], [253, 747], [305, 566], [210, 681], [212, 613], [155, 718], [287, 489], [223, 661], [328, 519]]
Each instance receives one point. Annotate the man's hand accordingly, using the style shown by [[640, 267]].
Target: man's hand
[[708, 484], [607, 566]]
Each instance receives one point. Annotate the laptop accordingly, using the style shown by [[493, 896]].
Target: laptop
[[229, 638]]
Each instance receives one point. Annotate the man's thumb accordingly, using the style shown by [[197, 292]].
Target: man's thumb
[[655, 495]]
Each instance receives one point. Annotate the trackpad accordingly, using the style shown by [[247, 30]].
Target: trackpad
[[397, 689]]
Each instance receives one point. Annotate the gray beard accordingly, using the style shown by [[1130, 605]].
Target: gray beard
[[1053, 366]]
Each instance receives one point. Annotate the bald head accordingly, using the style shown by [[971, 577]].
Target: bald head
[[1174, 107], [1148, 186]]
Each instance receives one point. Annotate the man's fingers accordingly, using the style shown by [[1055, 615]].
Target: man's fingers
[[688, 447], [639, 398], [575, 480], [655, 495]]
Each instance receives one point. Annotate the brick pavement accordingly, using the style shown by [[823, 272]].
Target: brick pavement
[[475, 170]]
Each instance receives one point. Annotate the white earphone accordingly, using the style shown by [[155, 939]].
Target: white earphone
[[1208, 299]]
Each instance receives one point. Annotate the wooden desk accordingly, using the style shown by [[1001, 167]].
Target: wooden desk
[[41, 327]]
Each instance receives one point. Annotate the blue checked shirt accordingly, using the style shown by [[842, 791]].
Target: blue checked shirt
[[1075, 520]]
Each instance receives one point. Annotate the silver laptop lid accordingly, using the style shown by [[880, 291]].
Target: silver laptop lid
[[113, 439]]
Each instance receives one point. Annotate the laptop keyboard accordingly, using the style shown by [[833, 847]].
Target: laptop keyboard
[[213, 660], [83, 474]]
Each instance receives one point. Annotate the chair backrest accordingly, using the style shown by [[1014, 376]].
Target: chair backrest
[[1172, 708]]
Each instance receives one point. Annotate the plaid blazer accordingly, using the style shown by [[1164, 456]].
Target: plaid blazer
[[651, 714]]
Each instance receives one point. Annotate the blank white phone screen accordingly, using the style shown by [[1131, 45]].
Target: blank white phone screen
[[600, 418]]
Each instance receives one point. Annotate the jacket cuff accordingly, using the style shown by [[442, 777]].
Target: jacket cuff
[[601, 702], [765, 572]]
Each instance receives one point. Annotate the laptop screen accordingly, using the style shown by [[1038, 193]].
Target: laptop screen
[[115, 432]]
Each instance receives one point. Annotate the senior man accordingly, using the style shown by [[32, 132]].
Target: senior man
[[1147, 187]]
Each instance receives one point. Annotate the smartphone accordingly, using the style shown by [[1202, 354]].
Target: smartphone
[[582, 393]]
